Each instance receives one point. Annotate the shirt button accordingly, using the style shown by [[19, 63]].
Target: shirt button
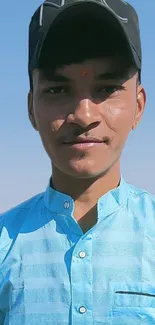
[[66, 205], [82, 310], [82, 254]]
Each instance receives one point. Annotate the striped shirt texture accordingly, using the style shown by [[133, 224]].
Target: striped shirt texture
[[51, 273]]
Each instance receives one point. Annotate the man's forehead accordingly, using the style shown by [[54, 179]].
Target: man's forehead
[[103, 68]]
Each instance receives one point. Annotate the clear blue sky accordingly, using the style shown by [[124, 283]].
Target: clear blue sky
[[24, 166]]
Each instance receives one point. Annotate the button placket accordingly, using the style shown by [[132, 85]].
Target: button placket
[[82, 278], [82, 310], [82, 254]]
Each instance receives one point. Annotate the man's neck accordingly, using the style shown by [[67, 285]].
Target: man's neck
[[86, 192]]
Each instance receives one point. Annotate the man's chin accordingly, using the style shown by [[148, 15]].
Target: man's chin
[[83, 170]]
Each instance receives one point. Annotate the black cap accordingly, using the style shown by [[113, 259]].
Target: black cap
[[52, 11]]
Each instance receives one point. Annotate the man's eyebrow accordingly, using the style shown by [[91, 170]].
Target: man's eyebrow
[[54, 76], [111, 75]]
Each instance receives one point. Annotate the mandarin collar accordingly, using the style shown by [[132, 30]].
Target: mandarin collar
[[63, 204]]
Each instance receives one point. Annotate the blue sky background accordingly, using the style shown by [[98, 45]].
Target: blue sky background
[[24, 166]]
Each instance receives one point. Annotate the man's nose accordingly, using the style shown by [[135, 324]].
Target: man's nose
[[85, 113]]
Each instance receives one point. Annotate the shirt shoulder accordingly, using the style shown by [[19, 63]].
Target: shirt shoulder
[[139, 192], [13, 220], [22, 208], [142, 198]]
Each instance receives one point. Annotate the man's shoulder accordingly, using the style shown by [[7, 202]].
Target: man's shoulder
[[13, 215], [12, 222], [141, 195], [134, 190]]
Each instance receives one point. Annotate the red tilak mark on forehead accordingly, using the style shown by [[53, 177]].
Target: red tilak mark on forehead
[[84, 73]]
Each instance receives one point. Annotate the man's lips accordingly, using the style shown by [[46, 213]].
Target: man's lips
[[85, 141], [82, 141]]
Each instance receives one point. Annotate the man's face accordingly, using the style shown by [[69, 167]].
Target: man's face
[[84, 113]]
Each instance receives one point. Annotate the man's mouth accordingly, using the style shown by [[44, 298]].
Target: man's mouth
[[81, 142]]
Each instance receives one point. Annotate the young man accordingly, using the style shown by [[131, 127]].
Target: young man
[[82, 252]]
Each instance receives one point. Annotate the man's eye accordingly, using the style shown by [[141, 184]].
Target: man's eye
[[57, 90], [110, 89]]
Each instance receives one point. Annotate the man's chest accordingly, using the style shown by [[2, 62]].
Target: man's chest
[[104, 277]]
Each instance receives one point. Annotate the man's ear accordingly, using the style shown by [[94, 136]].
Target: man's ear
[[31, 110], [141, 102]]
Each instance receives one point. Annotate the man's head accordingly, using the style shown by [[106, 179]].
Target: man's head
[[85, 92]]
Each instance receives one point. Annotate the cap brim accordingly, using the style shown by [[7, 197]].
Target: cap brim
[[98, 10]]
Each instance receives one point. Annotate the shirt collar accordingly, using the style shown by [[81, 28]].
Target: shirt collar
[[58, 202], [114, 199], [63, 204]]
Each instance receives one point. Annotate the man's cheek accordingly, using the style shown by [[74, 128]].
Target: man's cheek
[[115, 110]]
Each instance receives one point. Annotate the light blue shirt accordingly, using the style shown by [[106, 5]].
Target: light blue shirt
[[53, 274]]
